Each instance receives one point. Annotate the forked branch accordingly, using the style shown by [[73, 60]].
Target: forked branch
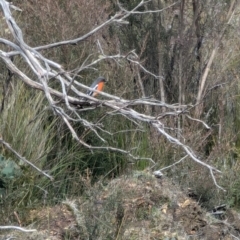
[[45, 69]]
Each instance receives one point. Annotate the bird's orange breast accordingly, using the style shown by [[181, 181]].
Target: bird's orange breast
[[100, 86]]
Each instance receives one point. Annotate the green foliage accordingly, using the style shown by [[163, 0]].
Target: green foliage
[[8, 169], [234, 195]]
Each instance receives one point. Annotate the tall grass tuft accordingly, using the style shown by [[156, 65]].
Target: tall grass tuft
[[29, 126]]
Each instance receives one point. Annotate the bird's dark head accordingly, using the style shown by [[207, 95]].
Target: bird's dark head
[[101, 79]]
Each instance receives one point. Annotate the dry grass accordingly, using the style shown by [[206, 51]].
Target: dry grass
[[131, 207]]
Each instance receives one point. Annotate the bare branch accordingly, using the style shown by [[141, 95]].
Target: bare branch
[[17, 228], [82, 38], [146, 11], [189, 152], [197, 120], [45, 69], [7, 145], [183, 158]]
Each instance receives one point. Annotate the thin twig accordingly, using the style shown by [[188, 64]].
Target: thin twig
[[198, 120], [162, 169], [17, 228]]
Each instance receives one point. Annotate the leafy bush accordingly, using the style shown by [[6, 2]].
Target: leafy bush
[[8, 169]]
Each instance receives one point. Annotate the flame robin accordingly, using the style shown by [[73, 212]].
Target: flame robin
[[98, 85]]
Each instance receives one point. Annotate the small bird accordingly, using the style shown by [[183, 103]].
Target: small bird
[[98, 85]]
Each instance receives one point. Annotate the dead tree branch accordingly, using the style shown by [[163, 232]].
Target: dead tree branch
[[45, 69], [17, 228]]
